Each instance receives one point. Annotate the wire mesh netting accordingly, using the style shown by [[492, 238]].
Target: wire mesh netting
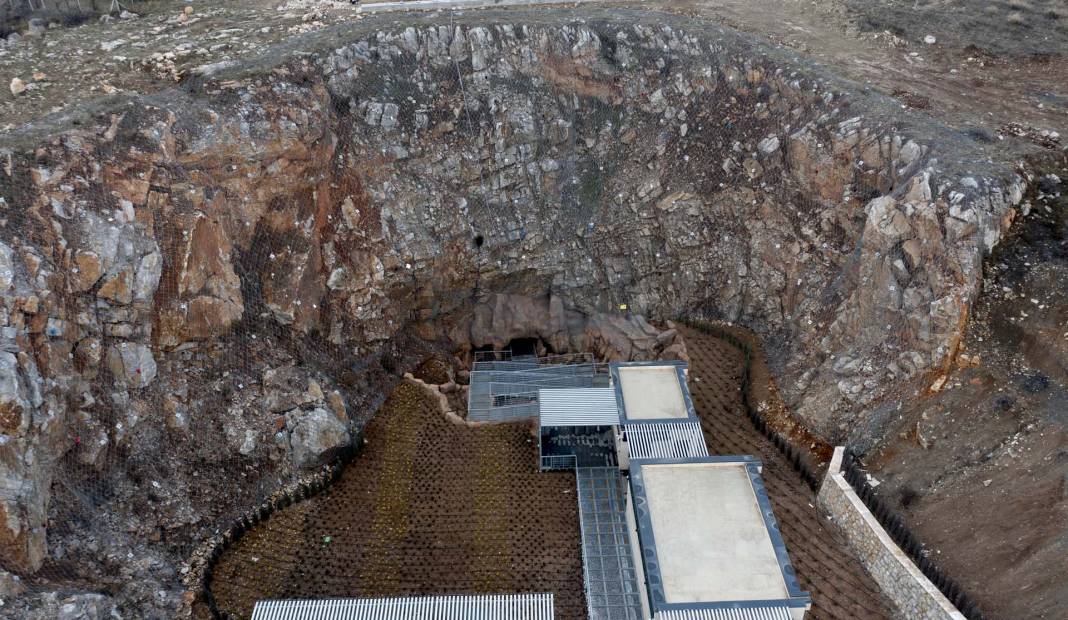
[[207, 292]]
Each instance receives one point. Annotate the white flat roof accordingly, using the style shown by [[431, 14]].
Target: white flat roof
[[711, 540], [578, 407], [652, 393]]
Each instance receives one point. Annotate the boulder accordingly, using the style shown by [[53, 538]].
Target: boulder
[[610, 336], [13, 403], [288, 387], [35, 27], [86, 271], [209, 297], [10, 585], [17, 86], [7, 268], [132, 364], [315, 436], [81, 607]]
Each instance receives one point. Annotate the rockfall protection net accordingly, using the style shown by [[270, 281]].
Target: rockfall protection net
[[208, 291]]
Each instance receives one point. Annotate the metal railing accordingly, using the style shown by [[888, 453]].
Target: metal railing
[[507, 391], [493, 356], [534, 375], [558, 462], [504, 360]]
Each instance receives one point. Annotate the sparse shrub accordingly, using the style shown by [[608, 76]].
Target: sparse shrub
[[1016, 19], [14, 14], [389, 363], [65, 15], [907, 496]]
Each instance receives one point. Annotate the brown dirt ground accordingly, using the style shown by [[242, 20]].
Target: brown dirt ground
[[979, 468], [979, 80], [765, 397]]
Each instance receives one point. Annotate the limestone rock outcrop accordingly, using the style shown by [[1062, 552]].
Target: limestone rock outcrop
[[315, 435], [168, 261], [617, 336]]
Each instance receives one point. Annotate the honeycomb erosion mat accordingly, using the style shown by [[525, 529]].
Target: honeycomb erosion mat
[[427, 507], [432, 507]]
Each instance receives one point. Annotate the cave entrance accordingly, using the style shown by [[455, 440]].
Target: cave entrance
[[526, 347]]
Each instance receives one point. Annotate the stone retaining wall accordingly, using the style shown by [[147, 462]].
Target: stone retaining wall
[[910, 591]]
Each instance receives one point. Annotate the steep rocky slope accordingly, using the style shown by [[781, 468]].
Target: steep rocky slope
[[988, 440], [224, 277]]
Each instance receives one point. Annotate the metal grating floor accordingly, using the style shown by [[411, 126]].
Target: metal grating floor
[[607, 562]]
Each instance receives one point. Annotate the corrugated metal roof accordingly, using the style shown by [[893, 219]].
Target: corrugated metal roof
[[665, 440], [488, 607], [578, 407], [738, 613]]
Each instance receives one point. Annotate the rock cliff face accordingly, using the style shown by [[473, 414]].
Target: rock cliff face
[[200, 283], [501, 318]]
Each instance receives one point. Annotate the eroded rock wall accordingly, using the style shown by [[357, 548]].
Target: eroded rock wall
[[165, 258], [680, 174], [608, 336]]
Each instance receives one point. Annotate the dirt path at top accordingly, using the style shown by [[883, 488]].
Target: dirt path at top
[[977, 80], [840, 586], [993, 63]]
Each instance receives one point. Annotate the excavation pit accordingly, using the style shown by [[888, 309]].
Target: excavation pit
[[212, 288]]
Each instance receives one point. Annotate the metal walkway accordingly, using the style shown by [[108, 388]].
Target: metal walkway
[[607, 562]]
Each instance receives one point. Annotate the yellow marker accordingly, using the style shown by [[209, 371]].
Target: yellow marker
[[622, 306]]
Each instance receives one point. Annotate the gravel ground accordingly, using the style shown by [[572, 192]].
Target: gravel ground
[[145, 52], [995, 69], [1014, 28]]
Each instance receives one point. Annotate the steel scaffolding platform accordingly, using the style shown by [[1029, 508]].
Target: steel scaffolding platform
[[506, 390]]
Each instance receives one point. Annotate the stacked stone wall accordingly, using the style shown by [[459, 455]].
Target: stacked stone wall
[[914, 595]]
